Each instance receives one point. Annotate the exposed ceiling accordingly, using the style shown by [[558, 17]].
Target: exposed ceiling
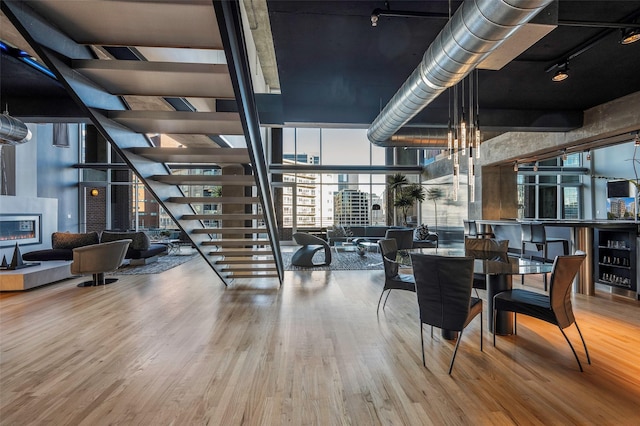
[[335, 68]]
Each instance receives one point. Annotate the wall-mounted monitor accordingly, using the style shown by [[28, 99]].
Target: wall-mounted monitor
[[620, 189]]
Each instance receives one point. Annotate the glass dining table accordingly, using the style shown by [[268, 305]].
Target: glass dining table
[[499, 269]]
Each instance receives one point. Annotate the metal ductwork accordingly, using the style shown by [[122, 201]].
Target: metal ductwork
[[476, 29], [13, 131], [409, 137]]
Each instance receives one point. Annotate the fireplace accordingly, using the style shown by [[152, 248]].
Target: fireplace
[[20, 228]]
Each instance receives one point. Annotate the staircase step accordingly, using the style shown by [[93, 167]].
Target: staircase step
[[241, 252], [245, 275], [229, 230], [195, 155], [239, 180], [239, 242], [251, 261], [154, 78], [248, 269], [240, 216], [215, 200]]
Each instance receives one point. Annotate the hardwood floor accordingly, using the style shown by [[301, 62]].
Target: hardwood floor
[[179, 348]]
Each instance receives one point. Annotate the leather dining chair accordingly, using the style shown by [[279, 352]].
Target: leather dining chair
[[443, 288], [535, 233], [486, 249], [393, 280], [555, 308]]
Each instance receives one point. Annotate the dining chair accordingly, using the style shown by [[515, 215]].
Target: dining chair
[[393, 280], [443, 288], [555, 308], [471, 230], [486, 249], [535, 233]]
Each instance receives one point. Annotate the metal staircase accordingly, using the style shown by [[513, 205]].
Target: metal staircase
[[161, 67]]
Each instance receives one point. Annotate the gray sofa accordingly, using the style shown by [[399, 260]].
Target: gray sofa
[[140, 251], [343, 234]]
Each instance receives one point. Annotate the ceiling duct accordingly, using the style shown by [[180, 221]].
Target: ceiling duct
[[13, 131], [476, 29]]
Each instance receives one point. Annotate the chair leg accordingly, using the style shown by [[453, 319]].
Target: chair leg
[[385, 299], [572, 350], [495, 314], [583, 343], [481, 339], [515, 324], [455, 351], [379, 300], [544, 276], [424, 364]]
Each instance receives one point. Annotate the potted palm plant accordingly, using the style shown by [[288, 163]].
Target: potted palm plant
[[406, 197]]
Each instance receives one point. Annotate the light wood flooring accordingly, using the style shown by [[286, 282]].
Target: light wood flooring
[[178, 348]]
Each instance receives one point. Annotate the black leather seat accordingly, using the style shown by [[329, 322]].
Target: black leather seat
[[393, 280], [555, 308], [443, 287]]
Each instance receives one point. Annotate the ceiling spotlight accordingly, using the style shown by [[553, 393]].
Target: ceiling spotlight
[[588, 155], [374, 20], [630, 35], [564, 155], [636, 140], [562, 73], [535, 166], [515, 166]]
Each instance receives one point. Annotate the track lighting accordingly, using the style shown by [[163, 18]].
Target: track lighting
[[374, 20], [535, 167], [562, 73], [588, 155], [636, 139], [630, 35], [515, 166], [565, 156]]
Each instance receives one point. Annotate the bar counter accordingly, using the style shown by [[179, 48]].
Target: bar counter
[[582, 235]]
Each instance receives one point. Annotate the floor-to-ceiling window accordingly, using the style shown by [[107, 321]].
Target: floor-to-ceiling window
[[318, 196], [551, 189]]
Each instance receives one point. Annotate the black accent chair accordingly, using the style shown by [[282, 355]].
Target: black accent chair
[[443, 287], [310, 245], [392, 279], [555, 308], [485, 249], [534, 233]]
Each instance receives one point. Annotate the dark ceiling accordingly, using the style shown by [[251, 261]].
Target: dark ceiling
[[334, 67]]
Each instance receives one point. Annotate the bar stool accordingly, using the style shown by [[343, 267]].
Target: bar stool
[[534, 233], [471, 230]]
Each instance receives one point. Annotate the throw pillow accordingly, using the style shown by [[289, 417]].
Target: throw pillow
[[140, 240], [421, 233], [68, 240]]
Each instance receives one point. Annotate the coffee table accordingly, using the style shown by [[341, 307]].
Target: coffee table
[[34, 276]]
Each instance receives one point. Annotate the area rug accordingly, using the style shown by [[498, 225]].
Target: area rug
[[164, 263], [339, 262]]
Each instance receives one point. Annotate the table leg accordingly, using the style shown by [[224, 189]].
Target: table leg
[[504, 320]]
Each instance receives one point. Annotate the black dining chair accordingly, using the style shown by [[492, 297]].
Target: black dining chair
[[535, 233], [443, 288], [555, 308], [393, 280], [485, 249]]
